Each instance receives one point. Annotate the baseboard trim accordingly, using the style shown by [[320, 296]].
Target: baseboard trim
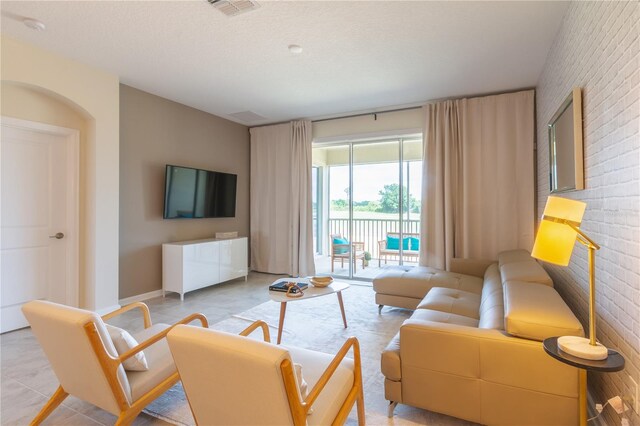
[[107, 310], [140, 297]]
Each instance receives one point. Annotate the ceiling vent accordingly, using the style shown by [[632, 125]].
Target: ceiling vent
[[248, 117], [234, 7]]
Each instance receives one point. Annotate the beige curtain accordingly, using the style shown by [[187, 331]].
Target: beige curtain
[[478, 177], [302, 262], [281, 223]]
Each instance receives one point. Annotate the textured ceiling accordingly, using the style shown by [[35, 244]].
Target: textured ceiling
[[358, 55]]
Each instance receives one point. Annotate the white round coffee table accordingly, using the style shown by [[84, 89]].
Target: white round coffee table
[[309, 293]]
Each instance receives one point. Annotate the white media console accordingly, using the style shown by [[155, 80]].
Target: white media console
[[190, 265]]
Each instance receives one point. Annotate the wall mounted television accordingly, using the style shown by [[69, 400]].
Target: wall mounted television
[[193, 193]]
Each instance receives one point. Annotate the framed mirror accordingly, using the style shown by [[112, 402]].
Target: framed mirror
[[566, 168]]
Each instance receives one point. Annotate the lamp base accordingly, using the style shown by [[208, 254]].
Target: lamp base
[[581, 348]]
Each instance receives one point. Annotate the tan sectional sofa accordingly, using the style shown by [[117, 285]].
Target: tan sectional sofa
[[472, 348]]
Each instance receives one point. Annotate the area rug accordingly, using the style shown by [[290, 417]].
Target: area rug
[[317, 324]]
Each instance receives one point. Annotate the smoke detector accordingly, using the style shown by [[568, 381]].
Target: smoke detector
[[234, 7], [34, 24]]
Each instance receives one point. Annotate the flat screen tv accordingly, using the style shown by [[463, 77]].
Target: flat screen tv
[[195, 193]]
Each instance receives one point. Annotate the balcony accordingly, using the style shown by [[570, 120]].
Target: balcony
[[369, 232]]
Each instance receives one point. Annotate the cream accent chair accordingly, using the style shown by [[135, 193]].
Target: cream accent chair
[[235, 380], [87, 365]]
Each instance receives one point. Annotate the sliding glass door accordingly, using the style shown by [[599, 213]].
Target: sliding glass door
[[376, 201], [372, 211]]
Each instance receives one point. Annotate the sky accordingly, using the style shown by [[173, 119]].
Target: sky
[[369, 179]]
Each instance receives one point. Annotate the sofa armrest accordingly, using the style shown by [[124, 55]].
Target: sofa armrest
[[473, 267], [482, 354]]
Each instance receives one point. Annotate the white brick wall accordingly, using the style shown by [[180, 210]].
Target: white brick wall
[[597, 49]]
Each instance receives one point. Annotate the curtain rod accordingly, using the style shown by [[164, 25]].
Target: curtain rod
[[344, 116], [407, 108], [366, 113]]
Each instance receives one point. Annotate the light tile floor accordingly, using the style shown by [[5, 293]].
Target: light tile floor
[[323, 267], [28, 381]]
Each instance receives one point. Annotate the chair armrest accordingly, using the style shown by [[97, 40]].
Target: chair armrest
[[143, 307], [259, 323], [332, 367], [382, 244], [161, 335], [474, 267]]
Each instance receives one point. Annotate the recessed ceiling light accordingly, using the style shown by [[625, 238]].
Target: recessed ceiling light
[[294, 48], [34, 24]]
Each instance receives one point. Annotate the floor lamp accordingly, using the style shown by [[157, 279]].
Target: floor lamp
[[559, 229]]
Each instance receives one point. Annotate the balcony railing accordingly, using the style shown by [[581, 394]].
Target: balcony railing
[[370, 231]]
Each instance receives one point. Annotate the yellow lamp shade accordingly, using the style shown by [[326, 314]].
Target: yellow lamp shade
[[556, 238]]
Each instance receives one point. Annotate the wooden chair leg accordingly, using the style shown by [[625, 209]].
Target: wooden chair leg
[[127, 417], [360, 405], [56, 399]]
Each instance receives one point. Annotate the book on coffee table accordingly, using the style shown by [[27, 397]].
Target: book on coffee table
[[284, 286]]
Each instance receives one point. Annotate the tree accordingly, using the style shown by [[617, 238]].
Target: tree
[[339, 205], [389, 196]]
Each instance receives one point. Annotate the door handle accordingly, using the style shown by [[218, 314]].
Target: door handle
[[58, 236]]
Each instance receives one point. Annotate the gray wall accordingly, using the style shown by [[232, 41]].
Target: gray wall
[[597, 49], [154, 132]]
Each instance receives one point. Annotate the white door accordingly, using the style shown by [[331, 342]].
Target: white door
[[38, 215]]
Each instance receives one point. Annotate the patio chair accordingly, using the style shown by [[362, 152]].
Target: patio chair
[[235, 380], [341, 249], [88, 366]]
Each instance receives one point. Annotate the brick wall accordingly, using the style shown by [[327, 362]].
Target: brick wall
[[597, 49]]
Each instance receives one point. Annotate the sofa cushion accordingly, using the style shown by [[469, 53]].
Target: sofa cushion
[[393, 243], [326, 407], [415, 282], [510, 256], [445, 317], [492, 302], [160, 362], [123, 341], [525, 270], [415, 243], [340, 250], [536, 311], [453, 301]]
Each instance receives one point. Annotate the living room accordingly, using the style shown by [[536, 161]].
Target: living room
[[77, 73]]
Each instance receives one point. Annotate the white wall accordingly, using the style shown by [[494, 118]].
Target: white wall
[[597, 49], [94, 94]]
